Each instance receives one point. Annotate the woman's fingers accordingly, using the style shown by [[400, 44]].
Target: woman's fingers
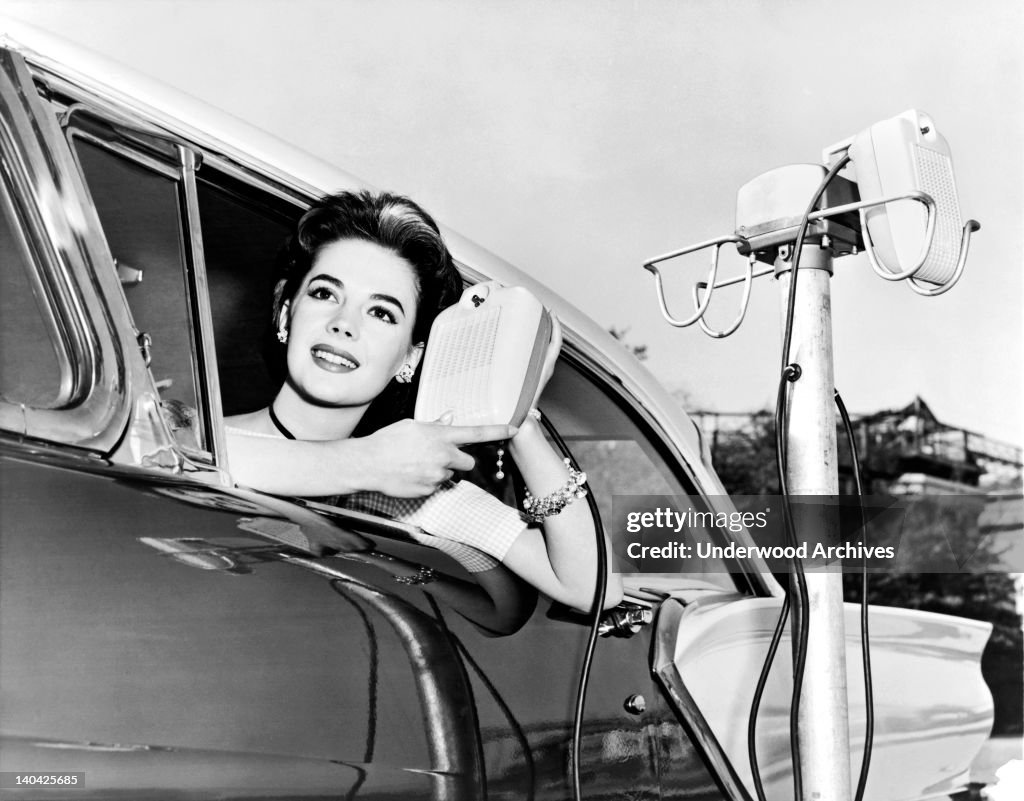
[[467, 435], [412, 458], [458, 460]]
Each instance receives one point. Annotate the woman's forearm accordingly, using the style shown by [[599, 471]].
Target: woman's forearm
[[407, 459], [569, 537], [298, 467]]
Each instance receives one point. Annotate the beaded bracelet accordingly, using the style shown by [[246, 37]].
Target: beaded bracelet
[[536, 509]]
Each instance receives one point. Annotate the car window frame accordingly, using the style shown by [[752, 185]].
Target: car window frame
[[59, 227], [66, 99], [194, 284]]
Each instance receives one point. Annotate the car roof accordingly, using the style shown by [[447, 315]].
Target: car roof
[[258, 150]]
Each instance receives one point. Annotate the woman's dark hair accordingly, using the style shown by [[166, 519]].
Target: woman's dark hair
[[393, 222]]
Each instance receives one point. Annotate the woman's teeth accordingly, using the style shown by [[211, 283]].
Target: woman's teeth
[[335, 358]]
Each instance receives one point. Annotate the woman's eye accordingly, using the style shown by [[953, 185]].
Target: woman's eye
[[320, 293], [385, 314]]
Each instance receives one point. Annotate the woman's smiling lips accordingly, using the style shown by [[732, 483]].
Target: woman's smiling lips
[[333, 360]]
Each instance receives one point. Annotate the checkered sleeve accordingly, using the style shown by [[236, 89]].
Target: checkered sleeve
[[459, 512], [470, 558]]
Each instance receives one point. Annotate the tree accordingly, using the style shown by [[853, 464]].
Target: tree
[[745, 458]]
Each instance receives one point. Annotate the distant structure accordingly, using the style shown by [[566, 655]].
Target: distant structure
[[908, 451], [905, 451]]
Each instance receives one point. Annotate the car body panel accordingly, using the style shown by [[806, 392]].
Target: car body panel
[[158, 660], [932, 711]]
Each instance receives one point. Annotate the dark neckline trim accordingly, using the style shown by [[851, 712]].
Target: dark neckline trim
[[278, 424]]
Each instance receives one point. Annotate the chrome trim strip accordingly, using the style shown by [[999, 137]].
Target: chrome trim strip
[[81, 265], [446, 701], [41, 289], [663, 666], [116, 118], [149, 162], [257, 180], [206, 352]]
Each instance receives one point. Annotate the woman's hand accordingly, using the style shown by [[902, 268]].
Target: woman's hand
[[409, 459]]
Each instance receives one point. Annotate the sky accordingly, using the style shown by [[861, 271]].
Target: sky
[[577, 139]]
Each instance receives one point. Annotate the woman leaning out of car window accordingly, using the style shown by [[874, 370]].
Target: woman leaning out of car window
[[363, 278]]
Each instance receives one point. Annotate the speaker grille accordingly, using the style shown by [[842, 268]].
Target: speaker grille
[[461, 376], [935, 174]]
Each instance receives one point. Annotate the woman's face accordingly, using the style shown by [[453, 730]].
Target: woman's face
[[350, 328]]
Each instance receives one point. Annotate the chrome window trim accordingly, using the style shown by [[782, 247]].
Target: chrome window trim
[[208, 376], [149, 162], [666, 631], [211, 413], [258, 181], [42, 290], [195, 284], [48, 187]]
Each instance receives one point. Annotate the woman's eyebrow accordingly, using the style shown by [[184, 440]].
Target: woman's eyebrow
[[330, 279], [388, 299]]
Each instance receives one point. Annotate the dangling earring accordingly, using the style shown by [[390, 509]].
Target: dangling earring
[[499, 473], [282, 324], [404, 376]]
